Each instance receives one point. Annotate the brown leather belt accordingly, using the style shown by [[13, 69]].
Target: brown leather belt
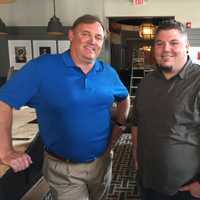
[[60, 158]]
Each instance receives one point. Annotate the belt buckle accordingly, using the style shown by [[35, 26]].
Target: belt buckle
[[68, 161], [52, 155]]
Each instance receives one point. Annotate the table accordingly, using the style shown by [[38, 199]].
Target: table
[[23, 131]]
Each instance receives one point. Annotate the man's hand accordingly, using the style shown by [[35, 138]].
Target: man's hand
[[8, 156], [18, 161], [193, 188]]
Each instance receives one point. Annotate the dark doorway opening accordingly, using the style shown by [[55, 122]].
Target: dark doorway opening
[[128, 48]]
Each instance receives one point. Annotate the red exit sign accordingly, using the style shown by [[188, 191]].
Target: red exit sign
[[138, 2]]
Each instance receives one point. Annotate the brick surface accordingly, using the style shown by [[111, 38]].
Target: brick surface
[[123, 180]]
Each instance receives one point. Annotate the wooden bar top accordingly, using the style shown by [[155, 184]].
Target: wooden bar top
[[23, 131]]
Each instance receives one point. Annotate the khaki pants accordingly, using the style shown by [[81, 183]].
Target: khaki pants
[[88, 181]]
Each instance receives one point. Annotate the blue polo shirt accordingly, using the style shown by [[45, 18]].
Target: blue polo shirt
[[73, 109]]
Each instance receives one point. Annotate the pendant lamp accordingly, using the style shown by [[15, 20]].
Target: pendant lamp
[[55, 27], [7, 1], [147, 31], [3, 30]]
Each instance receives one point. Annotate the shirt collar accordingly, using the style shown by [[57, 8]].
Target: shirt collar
[[70, 63], [184, 71], [68, 59]]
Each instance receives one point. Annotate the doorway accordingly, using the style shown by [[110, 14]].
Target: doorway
[[129, 48]]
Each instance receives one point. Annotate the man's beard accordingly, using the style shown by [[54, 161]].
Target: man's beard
[[165, 69]]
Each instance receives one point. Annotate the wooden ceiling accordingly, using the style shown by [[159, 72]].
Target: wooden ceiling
[[118, 24]]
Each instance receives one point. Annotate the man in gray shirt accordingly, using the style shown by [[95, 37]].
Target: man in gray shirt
[[166, 123]]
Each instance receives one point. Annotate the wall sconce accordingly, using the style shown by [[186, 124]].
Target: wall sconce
[[147, 31], [55, 27], [3, 30], [7, 1]]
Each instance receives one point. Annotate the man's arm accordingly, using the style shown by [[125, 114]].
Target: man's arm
[[18, 161], [120, 116], [193, 188], [134, 133], [122, 111]]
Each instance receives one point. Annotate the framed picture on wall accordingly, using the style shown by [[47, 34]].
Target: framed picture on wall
[[43, 47], [63, 45], [20, 52]]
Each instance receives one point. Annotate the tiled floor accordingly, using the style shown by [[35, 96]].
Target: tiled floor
[[123, 181]]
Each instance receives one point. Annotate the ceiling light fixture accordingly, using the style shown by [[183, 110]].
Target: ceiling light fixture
[[147, 31], [55, 27], [3, 29]]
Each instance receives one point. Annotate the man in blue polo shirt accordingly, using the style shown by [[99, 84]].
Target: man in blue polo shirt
[[73, 94]]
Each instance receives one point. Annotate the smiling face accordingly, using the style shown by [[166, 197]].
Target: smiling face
[[86, 42], [170, 50]]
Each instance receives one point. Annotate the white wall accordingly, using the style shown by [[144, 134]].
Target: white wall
[[183, 10], [38, 12]]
